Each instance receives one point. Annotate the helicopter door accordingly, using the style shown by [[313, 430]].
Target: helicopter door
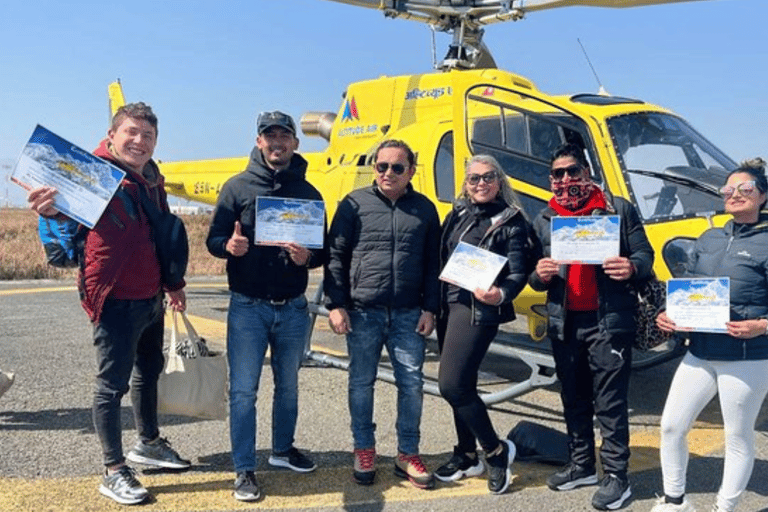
[[522, 132]]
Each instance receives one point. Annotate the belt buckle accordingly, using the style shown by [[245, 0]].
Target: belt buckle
[[278, 302]]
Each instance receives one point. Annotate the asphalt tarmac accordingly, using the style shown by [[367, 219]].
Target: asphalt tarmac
[[50, 458]]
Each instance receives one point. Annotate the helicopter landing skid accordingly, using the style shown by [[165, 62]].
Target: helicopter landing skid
[[537, 355]]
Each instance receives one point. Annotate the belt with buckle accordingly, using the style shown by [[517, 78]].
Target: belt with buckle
[[277, 302]]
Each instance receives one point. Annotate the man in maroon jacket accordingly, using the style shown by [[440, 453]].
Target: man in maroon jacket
[[122, 291]]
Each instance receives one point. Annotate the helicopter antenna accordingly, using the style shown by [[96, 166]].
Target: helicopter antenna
[[601, 90]]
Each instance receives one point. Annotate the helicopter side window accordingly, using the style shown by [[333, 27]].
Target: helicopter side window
[[524, 145], [444, 180]]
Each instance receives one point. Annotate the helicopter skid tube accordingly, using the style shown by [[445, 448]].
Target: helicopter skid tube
[[537, 355], [541, 363]]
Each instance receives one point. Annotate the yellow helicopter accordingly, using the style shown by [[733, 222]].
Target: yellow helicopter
[[638, 151]]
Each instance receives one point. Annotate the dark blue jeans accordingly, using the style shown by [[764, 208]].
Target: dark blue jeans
[[372, 329], [253, 325], [129, 340]]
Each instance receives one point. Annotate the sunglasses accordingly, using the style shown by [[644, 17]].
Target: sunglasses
[[381, 168], [474, 179], [745, 188], [573, 171]]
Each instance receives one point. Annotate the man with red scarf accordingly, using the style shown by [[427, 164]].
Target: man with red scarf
[[591, 325], [122, 290]]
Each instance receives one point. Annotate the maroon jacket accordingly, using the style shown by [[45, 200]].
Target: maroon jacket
[[120, 258]]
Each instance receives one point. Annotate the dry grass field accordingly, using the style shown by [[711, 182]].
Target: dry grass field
[[22, 256]]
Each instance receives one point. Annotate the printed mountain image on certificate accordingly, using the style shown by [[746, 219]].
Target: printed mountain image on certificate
[[85, 183], [471, 267], [700, 304], [588, 240], [280, 219]]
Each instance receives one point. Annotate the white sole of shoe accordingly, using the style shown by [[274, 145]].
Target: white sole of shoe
[[579, 482], [620, 502], [140, 459], [246, 497], [477, 470], [123, 501], [280, 463]]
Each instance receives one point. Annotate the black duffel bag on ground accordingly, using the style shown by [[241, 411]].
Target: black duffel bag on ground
[[539, 443]]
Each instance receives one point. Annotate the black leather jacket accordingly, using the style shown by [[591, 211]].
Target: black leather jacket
[[617, 301], [509, 235]]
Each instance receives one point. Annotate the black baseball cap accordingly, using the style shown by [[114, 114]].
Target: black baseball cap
[[276, 118]]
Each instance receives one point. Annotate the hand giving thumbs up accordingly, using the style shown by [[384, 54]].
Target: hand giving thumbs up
[[237, 245]]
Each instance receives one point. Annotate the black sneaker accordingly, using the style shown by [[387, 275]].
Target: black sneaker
[[246, 487], [613, 492], [571, 477], [500, 467], [460, 466], [123, 487], [157, 453], [292, 459]]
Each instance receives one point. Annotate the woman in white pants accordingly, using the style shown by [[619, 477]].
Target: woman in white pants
[[733, 364]]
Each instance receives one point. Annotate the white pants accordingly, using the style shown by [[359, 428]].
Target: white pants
[[742, 386]]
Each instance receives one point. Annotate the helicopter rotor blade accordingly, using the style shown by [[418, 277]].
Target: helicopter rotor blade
[[465, 19], [486, 11]]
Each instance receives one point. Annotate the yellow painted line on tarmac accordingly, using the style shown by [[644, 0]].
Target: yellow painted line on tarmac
[[326, 487], [20, 291], [193, 491], [215, 333]]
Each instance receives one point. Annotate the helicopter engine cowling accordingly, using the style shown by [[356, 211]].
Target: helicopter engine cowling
[[318, 124]]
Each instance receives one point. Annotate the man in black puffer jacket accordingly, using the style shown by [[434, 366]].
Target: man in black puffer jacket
[[382, 289]]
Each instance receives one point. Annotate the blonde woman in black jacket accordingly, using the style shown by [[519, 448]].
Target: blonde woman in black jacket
[[487, 215]]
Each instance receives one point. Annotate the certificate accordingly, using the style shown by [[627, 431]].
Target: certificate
[[701, 304], [588, 240], [85, 183], [471, 267], [281, 220]]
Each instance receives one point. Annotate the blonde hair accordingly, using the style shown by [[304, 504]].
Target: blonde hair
[[505, 190]]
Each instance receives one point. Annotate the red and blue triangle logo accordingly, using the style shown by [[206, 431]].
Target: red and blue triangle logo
[[350, 111]]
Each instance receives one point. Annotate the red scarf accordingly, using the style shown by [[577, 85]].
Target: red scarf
[[581, 285]]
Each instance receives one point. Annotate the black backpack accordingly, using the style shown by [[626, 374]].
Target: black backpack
[[171, 241]]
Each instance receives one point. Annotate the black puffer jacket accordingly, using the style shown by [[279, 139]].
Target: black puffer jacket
[[740, 252], [264, 272], [509, 234], [617, 301], [383, 253]]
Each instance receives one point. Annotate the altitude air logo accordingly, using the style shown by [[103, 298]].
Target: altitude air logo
[[350, 111]]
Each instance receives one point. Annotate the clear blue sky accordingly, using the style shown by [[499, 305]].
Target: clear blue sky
[[208, 67]]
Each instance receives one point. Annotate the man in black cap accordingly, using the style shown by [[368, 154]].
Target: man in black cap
[[267, 306]]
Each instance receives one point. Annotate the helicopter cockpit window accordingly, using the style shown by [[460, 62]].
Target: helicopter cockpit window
[[671, 169]]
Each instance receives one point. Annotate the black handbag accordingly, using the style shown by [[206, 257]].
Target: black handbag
[[651, 300]]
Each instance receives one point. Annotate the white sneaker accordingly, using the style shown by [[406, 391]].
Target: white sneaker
[[663, 506], [6, 381]]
